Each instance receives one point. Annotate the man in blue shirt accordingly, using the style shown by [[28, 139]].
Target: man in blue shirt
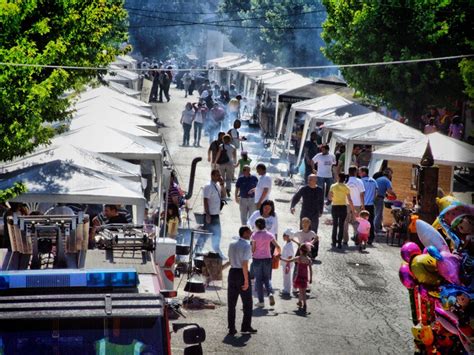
[[370, 186], [245, 195], [384, 186]]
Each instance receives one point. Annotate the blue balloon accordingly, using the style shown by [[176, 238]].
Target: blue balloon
[[434, 252]]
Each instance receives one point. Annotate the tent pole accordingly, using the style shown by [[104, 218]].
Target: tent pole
[[347, 163], [303, 140], [289, 129]]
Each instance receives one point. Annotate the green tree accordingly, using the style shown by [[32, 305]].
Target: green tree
[[374, 31], [287, 31], [50, 32]]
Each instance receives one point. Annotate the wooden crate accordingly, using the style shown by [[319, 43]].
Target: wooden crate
[[401, 181]]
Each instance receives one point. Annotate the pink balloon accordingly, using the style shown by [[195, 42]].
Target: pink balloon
[[406, 277], [409, 250], [449, 267]]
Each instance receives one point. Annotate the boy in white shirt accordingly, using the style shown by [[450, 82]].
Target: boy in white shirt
[[288, 252]]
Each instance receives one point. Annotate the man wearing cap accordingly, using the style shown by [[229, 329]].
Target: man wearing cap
[[244, 193], [238, 284]]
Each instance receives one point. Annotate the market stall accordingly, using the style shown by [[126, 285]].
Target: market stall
[[80, 157], [64, 182]]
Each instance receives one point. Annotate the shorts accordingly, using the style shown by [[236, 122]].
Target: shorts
[[363, 237]]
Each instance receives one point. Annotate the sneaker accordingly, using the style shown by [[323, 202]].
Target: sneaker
[[333, 245], [345, 244], [232, 332], [339, 246], [260, 304], [272, 300], [360, 248], [249, 330]]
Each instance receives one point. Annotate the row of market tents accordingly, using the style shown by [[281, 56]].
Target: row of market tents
[[98, 160], [328, 104]]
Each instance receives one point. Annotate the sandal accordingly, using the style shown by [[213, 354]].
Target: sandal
[[299, 304]]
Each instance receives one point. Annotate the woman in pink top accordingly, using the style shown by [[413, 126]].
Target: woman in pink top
[[456, 128], [262, 261], [363, 230]]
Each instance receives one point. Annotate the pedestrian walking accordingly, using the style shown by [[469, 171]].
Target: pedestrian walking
[[357, 196], [246, 200], [322, 164], [310, 149], [384, 186], [456, 128], [187, 118], [288, 252], [165, 78], [235, 135], [213, 149], [312, 205], [304, 274], [340, 196], [213, 194], [186, 80], [226, 156], [262, 261], [370, 186], [238, 282], [267, 212], [264, 185], [363, 229], [243, 161], [216, 117], [306, 235], [199, 118]]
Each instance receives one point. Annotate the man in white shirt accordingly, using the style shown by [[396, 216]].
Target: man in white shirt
[[264, 186], [322, 164], [213, 194], [357, 196]]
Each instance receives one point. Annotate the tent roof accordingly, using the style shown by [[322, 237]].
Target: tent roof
[[280, 78], [232, 63], [103, 103], [446, 151], [316, 89], [329, 107], [111, 141], [252, 66], [63, 182], [266, 73], [288, 85], [121, 125], [110, 92], [122, 89], [79, 157], [226, 58]]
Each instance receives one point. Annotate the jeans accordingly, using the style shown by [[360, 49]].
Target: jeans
[[186, 134], [262, 269], [378, 220], [235, 282], [197, 132], [322, 181], [370, 209], [247, 207], [215, 228], [339, 213]]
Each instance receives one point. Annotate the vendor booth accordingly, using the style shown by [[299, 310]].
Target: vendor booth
[[215, 75], [240, 71], [64, 182]]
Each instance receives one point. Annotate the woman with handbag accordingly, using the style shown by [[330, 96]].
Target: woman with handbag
[[262, 261]]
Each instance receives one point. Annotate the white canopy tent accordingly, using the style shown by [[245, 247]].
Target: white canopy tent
[[107, 114], [106, 92], [118, 124], [63, 182], [446, 151], [80, 157], [216, 64], [104, 103], [371, 129], [320, 109], [242, 70]]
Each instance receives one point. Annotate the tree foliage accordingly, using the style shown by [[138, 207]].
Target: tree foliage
[[50, 32], [286, 34], [375, 31]]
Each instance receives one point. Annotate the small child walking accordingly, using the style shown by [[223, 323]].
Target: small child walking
[[288, 252], [363, 230], [303, 268], [243, 161]]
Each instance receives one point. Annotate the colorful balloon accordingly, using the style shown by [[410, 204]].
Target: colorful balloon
[[406, 277], [449, 267], [423, 268], [409, 250], [430, 236]]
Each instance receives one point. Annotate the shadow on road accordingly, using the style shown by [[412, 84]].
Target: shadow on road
[[237, 342]]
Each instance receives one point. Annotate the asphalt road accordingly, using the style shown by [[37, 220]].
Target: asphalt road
[[357, 304]]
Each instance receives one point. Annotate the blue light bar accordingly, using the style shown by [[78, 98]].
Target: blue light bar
[[100, 278]]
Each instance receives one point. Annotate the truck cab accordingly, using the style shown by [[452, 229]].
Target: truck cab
[[58, 297]]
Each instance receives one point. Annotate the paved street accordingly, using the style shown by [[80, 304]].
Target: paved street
[[357, 303]]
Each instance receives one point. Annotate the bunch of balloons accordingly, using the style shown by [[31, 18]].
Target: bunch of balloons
[[440, 281]]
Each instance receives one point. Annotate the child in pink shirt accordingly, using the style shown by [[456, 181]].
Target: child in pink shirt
[[363, 230]]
